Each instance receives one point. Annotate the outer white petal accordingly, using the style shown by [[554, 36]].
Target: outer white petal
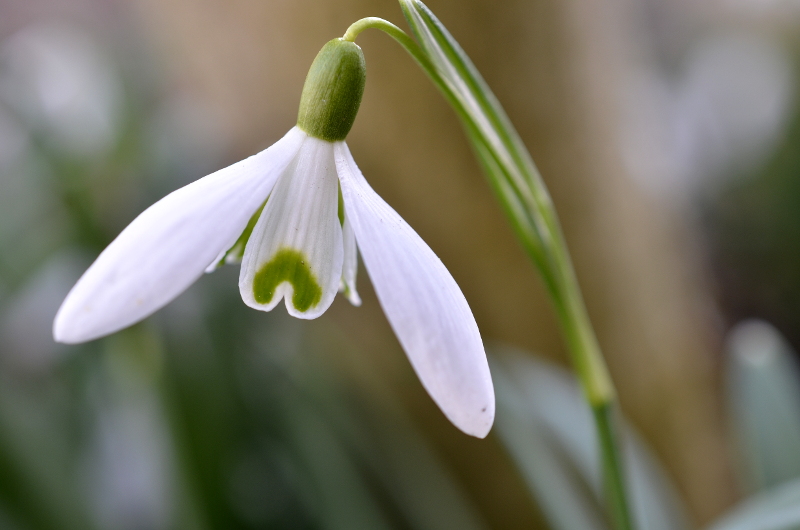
[[169, 245], [295, 250], [424, 305], [350, 264]]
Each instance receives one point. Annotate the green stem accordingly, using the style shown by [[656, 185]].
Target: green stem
[[577, 327], [607, 433], [400, 36], [593, 375], [534, 219]]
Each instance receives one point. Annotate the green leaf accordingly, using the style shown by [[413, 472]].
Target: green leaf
[[506, 160]]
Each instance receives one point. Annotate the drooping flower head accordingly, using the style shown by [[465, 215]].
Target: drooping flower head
[[296, 215]]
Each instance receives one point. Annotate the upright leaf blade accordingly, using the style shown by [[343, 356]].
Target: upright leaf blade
[[490, 129]]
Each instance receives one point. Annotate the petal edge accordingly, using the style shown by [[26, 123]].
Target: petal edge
[[423, 304], [169, 245]]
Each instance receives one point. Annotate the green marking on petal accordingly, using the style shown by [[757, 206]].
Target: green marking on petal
[[288, 265], [341, 207]]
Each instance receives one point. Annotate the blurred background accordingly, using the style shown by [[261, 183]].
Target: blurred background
[[668, 132]]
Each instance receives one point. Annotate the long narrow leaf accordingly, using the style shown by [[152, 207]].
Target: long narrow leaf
[[492, 130]]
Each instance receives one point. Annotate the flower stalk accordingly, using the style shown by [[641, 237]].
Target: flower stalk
[[526, 201]]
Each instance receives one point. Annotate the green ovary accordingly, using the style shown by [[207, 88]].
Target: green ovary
[[288, 265]]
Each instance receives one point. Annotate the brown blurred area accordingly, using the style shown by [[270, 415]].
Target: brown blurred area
[[559, 68], [556, 67]]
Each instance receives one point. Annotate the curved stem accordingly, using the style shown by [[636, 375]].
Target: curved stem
[[397, 34], [370, 22]]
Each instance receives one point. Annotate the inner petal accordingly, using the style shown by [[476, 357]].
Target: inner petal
[[288, 266], [350, 263], [295, 252]]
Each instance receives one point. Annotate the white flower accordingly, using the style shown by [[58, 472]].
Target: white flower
[[302, 249]]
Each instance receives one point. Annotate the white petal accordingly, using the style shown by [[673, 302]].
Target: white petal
[[218, 262], [233, 255], [350, 264], [295, 250], [423, 304], [169, 245]]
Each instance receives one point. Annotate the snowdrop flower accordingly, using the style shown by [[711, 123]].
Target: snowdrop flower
[[295, 215]]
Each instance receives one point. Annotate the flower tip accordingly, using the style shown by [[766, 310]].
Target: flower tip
[[470, 406], [478, 425], [64, 333], [73, 326]]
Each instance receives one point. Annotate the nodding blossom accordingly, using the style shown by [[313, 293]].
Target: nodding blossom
[[296, 215]]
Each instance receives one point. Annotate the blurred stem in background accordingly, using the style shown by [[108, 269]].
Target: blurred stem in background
[[527, 203]]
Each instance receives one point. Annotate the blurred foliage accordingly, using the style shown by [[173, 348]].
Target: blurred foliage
[[763, 387], [548, 428], [754, 238]]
